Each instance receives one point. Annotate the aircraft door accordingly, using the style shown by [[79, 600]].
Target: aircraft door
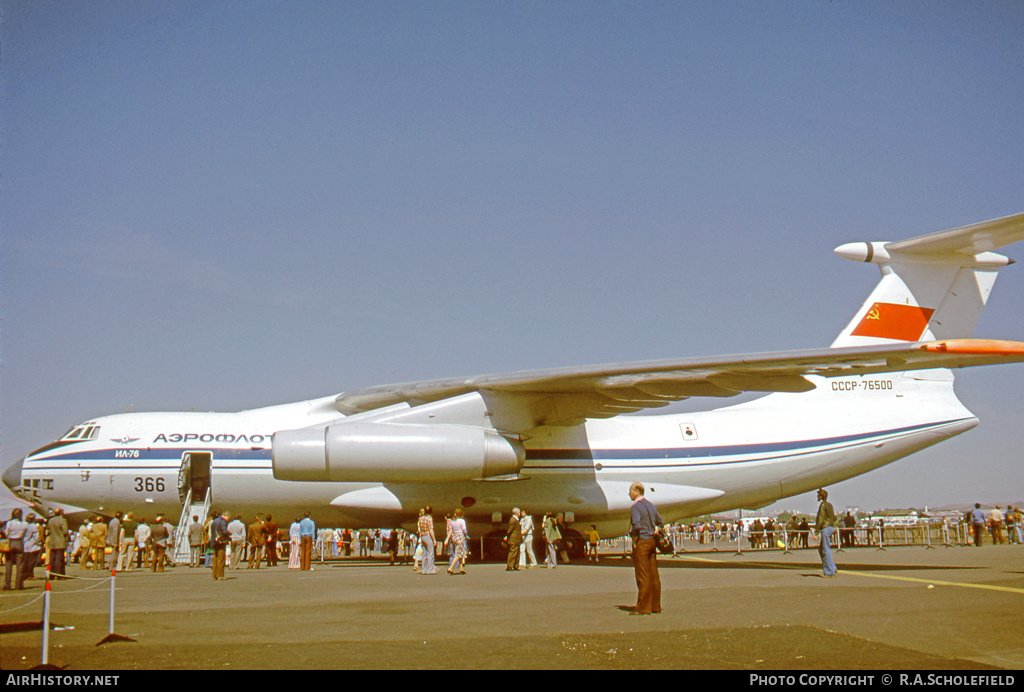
[[194, 475]]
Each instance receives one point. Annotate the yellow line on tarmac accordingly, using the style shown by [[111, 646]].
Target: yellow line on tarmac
[[932, 582], [935, 582]]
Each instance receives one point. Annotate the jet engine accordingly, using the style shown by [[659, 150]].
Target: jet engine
[[394, 453]]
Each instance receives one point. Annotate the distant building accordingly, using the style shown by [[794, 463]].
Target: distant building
[[898, 517]]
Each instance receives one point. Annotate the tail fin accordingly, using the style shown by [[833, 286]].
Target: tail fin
[[933, 286]]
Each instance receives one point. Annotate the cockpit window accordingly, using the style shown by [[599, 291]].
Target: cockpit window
[[86, 431]]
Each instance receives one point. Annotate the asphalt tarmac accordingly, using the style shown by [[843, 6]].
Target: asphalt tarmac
[[907, 608]]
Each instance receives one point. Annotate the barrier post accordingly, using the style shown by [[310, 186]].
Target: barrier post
[[679, 546], [111, 637], [113, 575], [46, 625]]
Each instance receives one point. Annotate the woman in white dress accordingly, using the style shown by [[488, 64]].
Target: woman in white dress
[[294, 546]]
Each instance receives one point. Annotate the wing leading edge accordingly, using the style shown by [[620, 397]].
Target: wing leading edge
[[522, 401]]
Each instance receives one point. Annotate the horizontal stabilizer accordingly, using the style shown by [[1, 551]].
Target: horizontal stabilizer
[[968, 240], [933, 287]]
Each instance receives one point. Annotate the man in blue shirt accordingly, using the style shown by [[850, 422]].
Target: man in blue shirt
[[644, 522], [824, 526], [978, 522], [219, 539], [307, 533]]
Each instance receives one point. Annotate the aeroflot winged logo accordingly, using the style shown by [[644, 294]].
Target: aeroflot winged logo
[[893, 321]]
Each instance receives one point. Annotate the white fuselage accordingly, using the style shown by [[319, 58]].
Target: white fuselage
[[743, 456]]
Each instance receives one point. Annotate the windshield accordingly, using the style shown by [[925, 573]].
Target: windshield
[[85, 431]]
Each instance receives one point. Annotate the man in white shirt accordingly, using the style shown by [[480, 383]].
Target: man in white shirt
[[995, 518], [526, 526], [142, 534], [33, 546], [236, 529]]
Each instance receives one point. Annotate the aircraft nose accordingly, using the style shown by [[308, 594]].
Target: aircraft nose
[[12, 474]]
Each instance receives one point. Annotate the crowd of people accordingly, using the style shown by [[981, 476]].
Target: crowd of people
[[766, 533], [121, 543], [996, 522], [226, 541], [126, 542], [232, 541], [520, 541]]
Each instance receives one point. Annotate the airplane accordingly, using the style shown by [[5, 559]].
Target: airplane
[[558, 440]]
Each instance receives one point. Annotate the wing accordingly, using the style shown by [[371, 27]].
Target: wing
[[521, 401]]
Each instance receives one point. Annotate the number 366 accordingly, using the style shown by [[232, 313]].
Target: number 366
[[149, 485]]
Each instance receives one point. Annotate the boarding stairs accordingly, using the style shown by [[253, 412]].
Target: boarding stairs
[[200, 508]]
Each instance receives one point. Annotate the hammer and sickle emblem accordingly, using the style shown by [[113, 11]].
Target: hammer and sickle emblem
[[873, 313]]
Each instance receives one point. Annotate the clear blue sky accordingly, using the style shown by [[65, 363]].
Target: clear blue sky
[[225, 205]]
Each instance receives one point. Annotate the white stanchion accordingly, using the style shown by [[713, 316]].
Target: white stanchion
[[111, 636], [113, 575], [46, 626]]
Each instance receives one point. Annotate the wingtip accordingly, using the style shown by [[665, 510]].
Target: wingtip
[[981, 347]]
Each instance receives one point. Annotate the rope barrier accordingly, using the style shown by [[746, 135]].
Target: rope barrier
[[927, 536], [73, 577], [46, 597], [26, 605]]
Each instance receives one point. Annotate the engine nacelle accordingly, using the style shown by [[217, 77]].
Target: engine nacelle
[[394, 453]]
